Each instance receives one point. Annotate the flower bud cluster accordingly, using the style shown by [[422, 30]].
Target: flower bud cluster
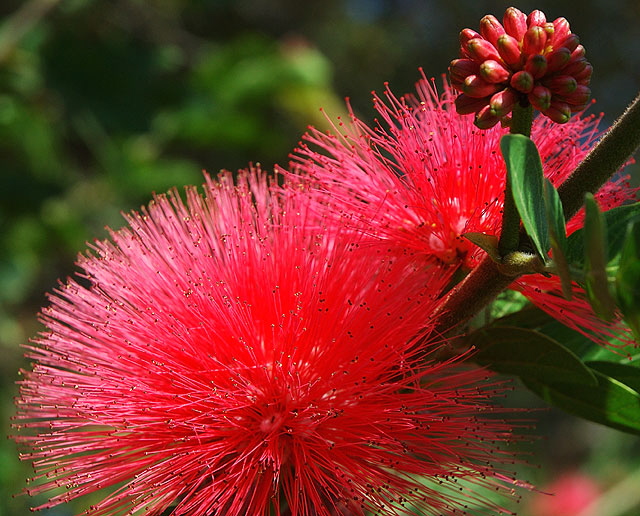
[[524, 60]]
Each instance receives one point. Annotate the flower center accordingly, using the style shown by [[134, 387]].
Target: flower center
[[272, 423]]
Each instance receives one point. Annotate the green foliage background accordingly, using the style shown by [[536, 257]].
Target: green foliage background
[[104, 101]]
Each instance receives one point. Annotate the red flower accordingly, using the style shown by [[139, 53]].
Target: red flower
[[525, 60], [424, 176], [234, 355]]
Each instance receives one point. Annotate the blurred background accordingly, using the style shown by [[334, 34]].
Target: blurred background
[[103, 102]]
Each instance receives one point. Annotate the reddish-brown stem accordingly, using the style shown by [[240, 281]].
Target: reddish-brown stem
[[470, 296], [605, 159]]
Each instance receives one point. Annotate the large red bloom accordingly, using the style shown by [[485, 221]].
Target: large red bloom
[[424, 176], [233, 355]]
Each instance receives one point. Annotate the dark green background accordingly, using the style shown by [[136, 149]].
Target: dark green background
[[103, 102]]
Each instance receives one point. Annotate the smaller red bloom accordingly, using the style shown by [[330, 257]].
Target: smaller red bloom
[[525, 59], [423, 176]]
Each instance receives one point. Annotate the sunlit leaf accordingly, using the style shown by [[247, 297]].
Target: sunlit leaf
[[527, 186], [610, 402], [624, 373]]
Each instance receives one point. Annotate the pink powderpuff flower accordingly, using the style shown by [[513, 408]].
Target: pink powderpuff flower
[[424, 176], [235, 355]]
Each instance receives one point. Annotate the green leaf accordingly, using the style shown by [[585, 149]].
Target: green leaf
[[610, 402], [626, 374], [616, 221], [627, 286], [488, 243], [557, 235], [534, 318], [526, 177], [529, 355], [608, 393], [595, 263]]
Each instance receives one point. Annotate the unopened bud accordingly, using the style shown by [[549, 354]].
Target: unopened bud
[[494, 72], [509, 49], [540, 98], [485, 119], [570, 42], [466, 35], [575, 67], [561, 84], [578, 53], [536, 18], [524, 59], [502, 103], [561, 31], [477, 88], [460, 69], [579, 107], [491, 29], [522, 81], [559, 112], [579, 97], [584, 77], [481, 50], [549, 29], [466, 105], [534, 40], [515, 23], [536, 65], [557, 59]]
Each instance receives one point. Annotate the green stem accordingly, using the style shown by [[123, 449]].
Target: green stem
[[605, 159], [521, 121]]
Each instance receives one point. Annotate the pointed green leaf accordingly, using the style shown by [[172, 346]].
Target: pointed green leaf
[[557, 235], [488, 243], [595, 263], [626, 374], [533, 318], [529, 355], [628, 277], [616, 222], [610, 402], [526, 177]]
